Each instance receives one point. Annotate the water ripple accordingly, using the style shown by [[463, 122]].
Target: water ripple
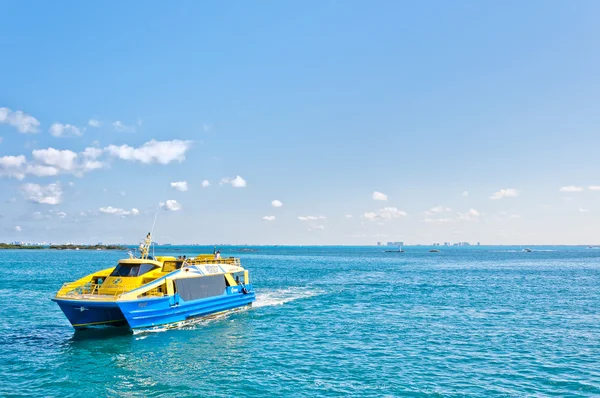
[[327, 322]]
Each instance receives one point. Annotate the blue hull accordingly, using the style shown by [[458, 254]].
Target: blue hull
[[151, 312], [86, 314]]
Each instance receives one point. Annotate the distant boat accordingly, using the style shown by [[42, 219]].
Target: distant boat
[[528, 250], [434, 251]]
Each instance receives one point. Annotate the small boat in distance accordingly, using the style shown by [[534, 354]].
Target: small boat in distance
[[146, 291], [434, 251], [528, 250]]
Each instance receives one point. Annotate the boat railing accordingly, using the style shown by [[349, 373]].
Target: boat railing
[[201, 261], [158, 291], [88, 289]]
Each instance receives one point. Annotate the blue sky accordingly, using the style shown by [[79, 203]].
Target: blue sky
[[317, 105]]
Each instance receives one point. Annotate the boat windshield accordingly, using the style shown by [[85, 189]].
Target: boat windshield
[[132, 269]]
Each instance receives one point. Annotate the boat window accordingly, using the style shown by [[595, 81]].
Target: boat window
[[239, 277], [170, 266], [200, 287], [144, 268], [132, 269]]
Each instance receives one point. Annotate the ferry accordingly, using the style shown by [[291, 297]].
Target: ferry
[[146, 292]]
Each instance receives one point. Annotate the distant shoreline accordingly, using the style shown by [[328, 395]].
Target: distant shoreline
[[8, 246]]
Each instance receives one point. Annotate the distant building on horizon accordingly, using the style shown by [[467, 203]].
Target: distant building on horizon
[[395, 243]]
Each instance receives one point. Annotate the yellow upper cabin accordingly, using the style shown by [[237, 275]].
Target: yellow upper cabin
[[132, 273]]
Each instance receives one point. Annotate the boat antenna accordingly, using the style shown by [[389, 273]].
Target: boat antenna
[[152, 230], [155, 216]]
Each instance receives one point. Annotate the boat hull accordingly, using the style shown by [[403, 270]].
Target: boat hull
[[160, 311], [90, 314]]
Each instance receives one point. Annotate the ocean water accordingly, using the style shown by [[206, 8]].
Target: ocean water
[[328, 321]]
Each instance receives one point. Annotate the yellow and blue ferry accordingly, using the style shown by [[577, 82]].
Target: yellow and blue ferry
[[146, 292]]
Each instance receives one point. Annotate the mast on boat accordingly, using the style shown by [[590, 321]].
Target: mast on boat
[[145, 246]]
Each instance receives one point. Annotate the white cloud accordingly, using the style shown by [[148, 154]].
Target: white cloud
[[379, 196], [64, 160], [571, 188], [319, 227], [505, 193], [64, 130], [471, 215], [90, 165], [23, 122], [276, 203], [437, 209], [91, 153], [391, 212], [52, 162], [12, 166], [181, 186], [12, 161], [465, 193], [119, 212], [18, 228], [61, 214], [581, 210], [163, 152], [311, 218], [370, 215], [94, 123], [121, 128], [269, 218], [387, 213], [348, 216], [171, 205], [50, 194], [205, 183], [594, 187], [237, 182]]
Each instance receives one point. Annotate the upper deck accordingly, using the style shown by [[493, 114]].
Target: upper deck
[[131, 273]]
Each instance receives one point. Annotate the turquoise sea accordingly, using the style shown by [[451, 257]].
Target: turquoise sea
[[328, 321]]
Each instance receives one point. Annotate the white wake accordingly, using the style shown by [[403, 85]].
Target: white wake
[[266, 298]]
